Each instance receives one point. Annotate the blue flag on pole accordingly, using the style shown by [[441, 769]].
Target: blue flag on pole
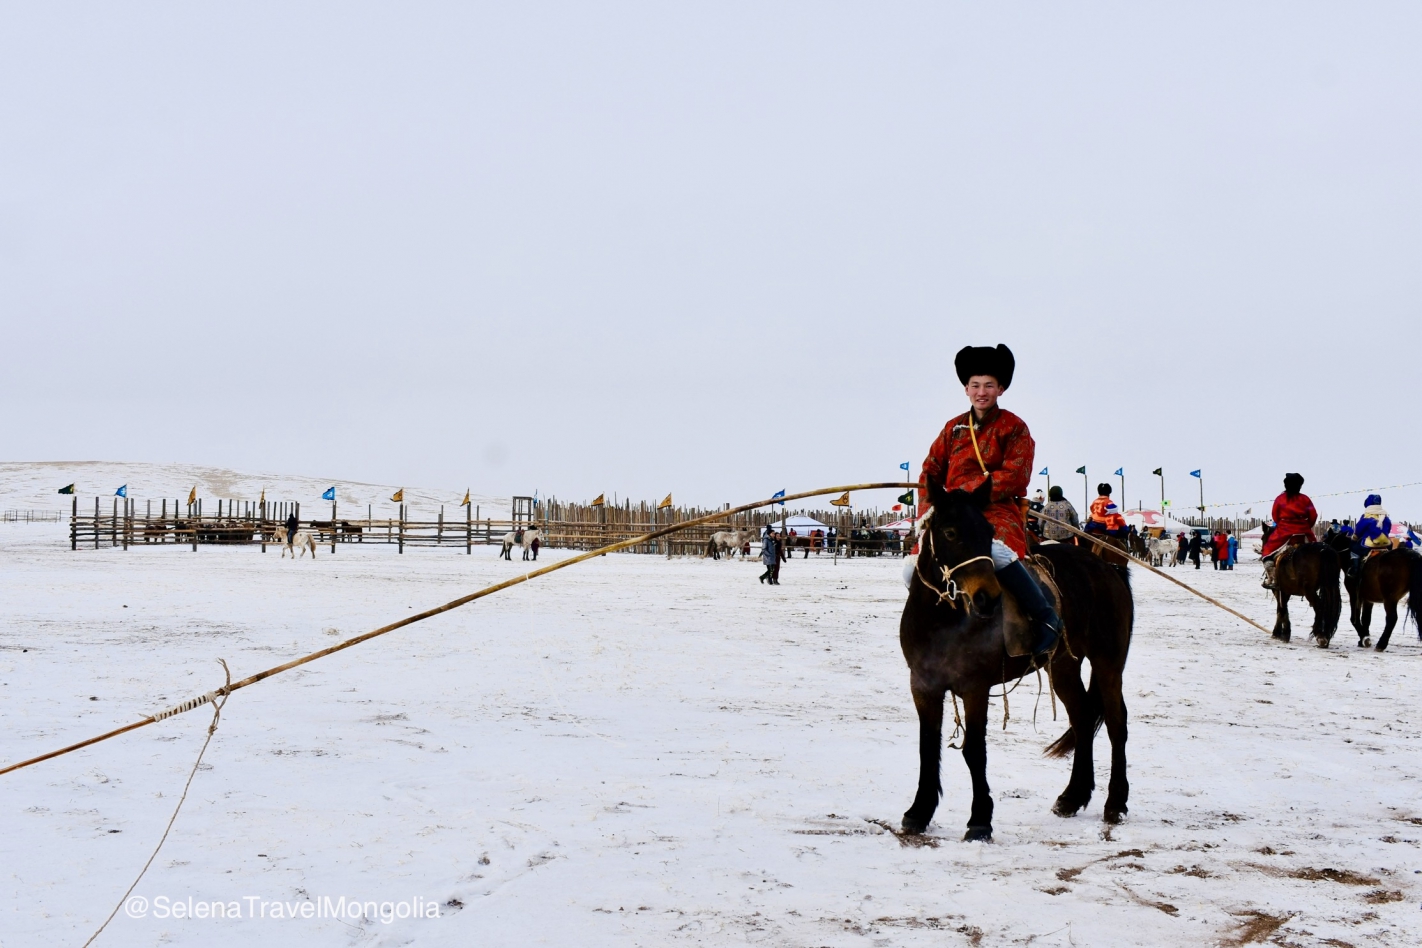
[[1043, 471], [330, 494], [904, 466], [1120, 472], [122, 491], [1195, 473], [779, 493]]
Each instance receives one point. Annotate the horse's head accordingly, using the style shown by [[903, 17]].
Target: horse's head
[[959, 544]]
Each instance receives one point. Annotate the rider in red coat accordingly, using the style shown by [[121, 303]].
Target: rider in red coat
[[1293, 516], [1006, 450]]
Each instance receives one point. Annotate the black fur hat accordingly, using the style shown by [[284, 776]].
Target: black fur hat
[[1103, 489], [985, 360], [1293, 483]]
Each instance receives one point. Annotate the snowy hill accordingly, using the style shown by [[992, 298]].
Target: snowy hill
[[32, 485]]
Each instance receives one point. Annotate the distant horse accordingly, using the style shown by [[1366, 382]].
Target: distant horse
[[1136, 546], [954, 634], [729, 543], [1162, 551], [303, 540], [1385, 578], [520, 538], [530, 537], [1309, 570]]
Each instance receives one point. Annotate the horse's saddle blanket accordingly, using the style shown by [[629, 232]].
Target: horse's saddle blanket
[[1016, 627]]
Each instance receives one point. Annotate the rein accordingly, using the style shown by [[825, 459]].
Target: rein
[[950, 592]]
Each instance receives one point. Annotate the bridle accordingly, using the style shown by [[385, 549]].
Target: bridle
[[951, 592]]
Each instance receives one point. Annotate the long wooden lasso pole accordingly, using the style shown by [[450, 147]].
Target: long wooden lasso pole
[[1139, 562], [430, 613]]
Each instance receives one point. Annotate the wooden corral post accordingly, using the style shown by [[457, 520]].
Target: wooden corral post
[[125, 523], [469, 528], [439, 528], [74, 524], [333, 526], [262, 524], [402, 528]]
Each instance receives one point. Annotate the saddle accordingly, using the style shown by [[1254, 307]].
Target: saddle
[[1016, 627], [1286, 552]]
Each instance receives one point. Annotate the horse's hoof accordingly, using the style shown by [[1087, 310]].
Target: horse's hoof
[[1282, 636], [1114, 815], [1364, 642], [978, 834], [1321, 642], [1380, 647], [1066, 808], [913, 825]]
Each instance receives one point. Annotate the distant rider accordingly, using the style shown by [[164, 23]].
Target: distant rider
[[1104, 516], [1059, 508], [291, 527], [1006, 450], [1293, 517], [1373, 531]]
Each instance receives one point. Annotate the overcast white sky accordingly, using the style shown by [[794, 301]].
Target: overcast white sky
[[715, 249]]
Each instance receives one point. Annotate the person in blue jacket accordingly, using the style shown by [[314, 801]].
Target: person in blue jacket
[[1373, 531]]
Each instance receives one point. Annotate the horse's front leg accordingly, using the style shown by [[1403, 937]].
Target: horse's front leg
[[929, 702], [1317, 632], [1390, 610], [1352, 588], [1365, 619], [1080, 710], [1282, 632], [975, 709], [1113, 709]]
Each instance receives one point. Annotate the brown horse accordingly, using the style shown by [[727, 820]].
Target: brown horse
[[954, 637], [1309, 570], [1385, 578], [1342, 546]]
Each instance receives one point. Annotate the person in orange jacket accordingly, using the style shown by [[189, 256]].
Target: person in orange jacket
[[1104, 516]]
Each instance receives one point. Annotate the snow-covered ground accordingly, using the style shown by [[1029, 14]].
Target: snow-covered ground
[[639, 751]]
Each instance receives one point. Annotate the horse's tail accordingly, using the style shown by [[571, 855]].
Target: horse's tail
[[1414, 593], [1066, 744], [1328, 595]]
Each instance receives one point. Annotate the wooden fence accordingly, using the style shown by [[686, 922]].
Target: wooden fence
[[31, 516], [562, 526]]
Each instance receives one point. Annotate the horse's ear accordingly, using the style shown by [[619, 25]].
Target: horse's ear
[[937, 496], [983, 495]]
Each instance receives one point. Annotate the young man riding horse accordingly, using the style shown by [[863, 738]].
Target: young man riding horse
[[988, 440], [1294, 517]]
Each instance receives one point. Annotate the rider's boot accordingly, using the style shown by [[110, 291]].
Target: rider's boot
[[1268, 581], [1046, 625]]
